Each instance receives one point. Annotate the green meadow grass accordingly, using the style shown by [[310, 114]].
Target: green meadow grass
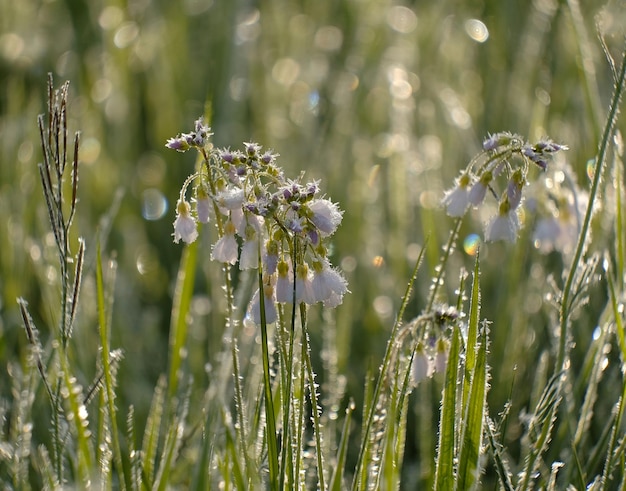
[[126, 363]]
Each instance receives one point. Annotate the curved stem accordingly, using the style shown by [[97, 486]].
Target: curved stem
[[564, 311], [442, 263]]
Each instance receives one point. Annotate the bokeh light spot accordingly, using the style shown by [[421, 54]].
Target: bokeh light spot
[[89, 150], [383, 306], [126, 35], [110, 17], [328, 38], [314, 100], [348, 264], [146, 261], [101, 90], [476, 30], [154, 204], [11, 46], [285, 71], [402, 19], [25, 152], [471, 243]]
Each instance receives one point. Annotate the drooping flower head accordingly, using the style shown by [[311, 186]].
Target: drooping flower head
[[184, 225], [503, 226], [506, 157], [225, 249], [456, 200], [325, 215]]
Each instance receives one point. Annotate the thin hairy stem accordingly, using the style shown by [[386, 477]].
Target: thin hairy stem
[[564, 312]]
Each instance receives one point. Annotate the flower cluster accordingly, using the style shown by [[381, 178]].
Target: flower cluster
[[263, 221], [432, 331], [505, 157]]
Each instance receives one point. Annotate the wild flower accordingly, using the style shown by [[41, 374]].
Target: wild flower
[[456, 200], [503, 226], [254, 307], [225, 249], [203, 205], [270, 256], [504, 154], [284, 282], [265, 220], [559, 205], [325, 215], [327, 282], [304, 285], [441, 355], [422, 364], [185, 224], [479, 189]]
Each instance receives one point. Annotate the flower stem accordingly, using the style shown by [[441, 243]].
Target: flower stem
[[442, 263], [272, 443]]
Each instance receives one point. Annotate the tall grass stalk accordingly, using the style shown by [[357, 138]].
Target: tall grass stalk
[[108, 370], [565, 303]]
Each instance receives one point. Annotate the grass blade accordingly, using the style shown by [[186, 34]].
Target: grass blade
[[152, 433], [171, 446], [444, 473], [472, 332], [337, 477], [107, 369], [540, 428], [471, 442], [180, 308], [502, 467]]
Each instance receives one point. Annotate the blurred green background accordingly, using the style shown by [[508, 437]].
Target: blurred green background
[[384, 101]]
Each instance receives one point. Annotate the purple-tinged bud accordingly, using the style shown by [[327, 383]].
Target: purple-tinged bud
[[491, 142], [312, 188], [549, 146], [252, 148], [514, 189], [269, 157], [500, 140], [179, 144], [226, 156], [314, 237]]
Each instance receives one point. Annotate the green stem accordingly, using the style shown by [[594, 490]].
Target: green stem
[[564, 311], [442, 264], [272, 443], [315, 409], [106, 369], [287, 395]]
